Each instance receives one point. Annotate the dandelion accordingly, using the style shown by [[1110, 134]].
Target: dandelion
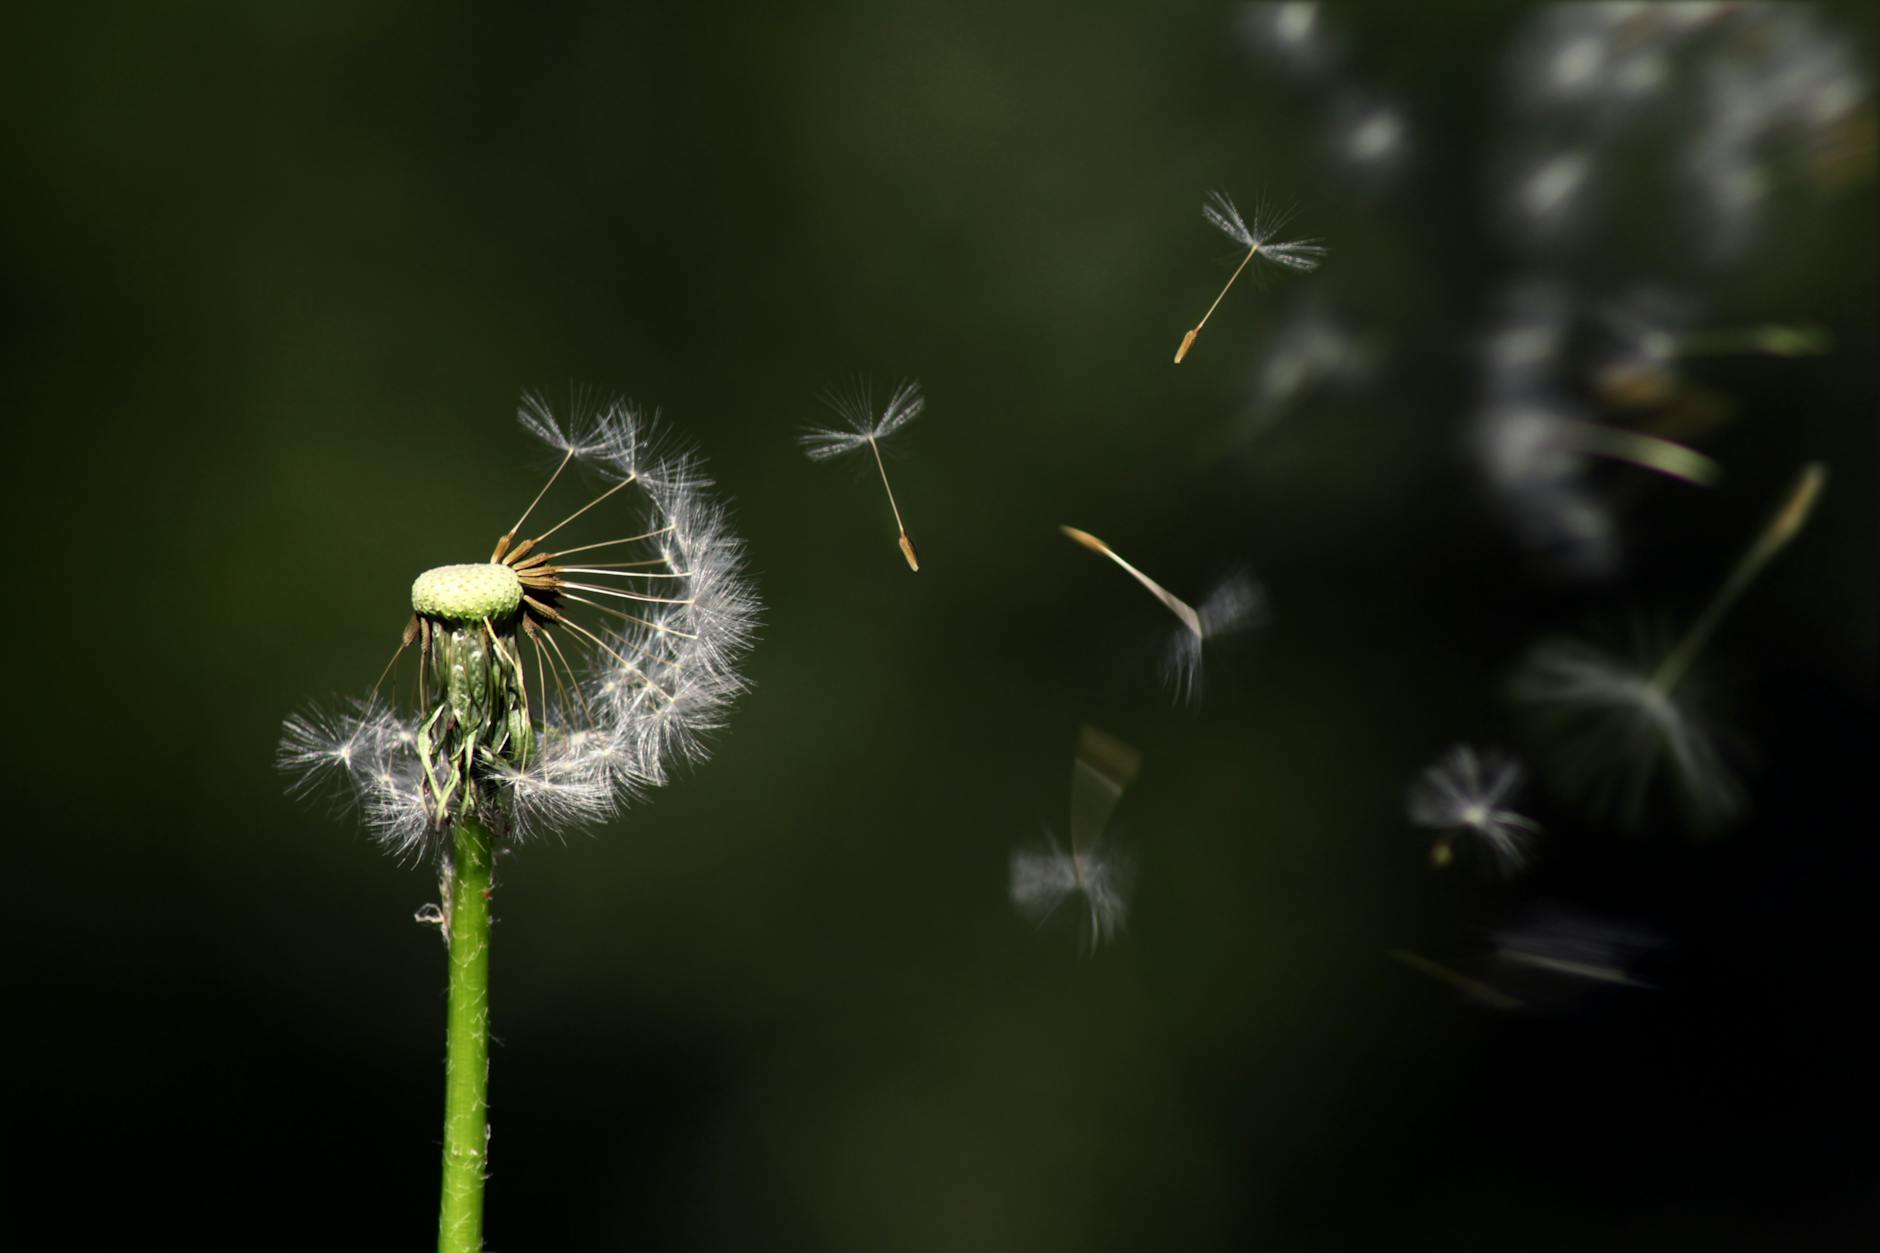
[[1463, 795], [1237, 603], [1614, 727], [555, 680], [1093, 869], [1303, 255], [867, 428]]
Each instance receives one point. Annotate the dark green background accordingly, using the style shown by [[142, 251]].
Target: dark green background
[[278, 274]]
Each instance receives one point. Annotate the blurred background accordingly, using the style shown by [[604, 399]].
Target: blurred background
[[278, 275]]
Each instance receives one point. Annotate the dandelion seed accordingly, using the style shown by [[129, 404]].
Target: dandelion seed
[[1313, 349], [1044, 879], [1553, 959], [1567, 945], [866, 428], [1303, 255], [1237, 603], [1374, 138], [1463, 795], [1614, 727]]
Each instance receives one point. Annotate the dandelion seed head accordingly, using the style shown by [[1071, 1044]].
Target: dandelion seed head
[[563, 676]]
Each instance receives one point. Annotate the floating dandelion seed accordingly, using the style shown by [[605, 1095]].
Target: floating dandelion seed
[[1614, 727], [1044, 879], [1567, 945], [1237, 603], [1463, 795], [866, 428], [1312, 349], [634, 640], [1300, 254], [1554, 959]]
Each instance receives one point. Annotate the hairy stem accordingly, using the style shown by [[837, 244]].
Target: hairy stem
[[467, 1058]]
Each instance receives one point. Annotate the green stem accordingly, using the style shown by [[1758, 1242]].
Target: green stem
[[467, 1061]]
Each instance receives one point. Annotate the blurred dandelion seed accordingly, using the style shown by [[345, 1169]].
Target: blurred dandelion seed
[[1566, 944], [1237, 603], [1612, 727], [1303, 255], [866, 428], [1474, 989], [1044, 879], [1463, 795]]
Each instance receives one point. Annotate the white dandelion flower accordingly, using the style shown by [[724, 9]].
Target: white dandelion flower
[[1464, 795], [566, 672], [863, 427], [1093, 871], [1303, 255]]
